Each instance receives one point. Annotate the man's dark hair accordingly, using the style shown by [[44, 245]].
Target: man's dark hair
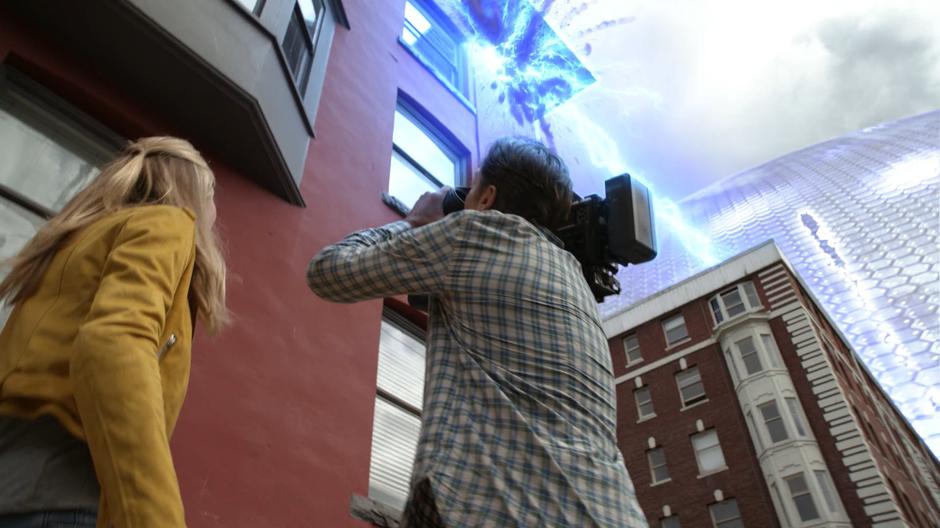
[[531, 181]]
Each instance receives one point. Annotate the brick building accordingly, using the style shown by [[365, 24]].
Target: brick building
[[740, 404]]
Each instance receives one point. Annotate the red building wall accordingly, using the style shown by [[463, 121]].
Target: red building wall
[[276, 429]]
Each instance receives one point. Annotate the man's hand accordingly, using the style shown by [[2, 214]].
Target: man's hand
[[429, 208]]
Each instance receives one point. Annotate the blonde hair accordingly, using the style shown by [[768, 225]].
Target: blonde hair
[[149, 171]]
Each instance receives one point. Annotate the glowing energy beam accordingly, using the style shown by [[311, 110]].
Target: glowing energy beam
[[605, 154]]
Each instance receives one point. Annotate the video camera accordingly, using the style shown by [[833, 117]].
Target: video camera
[[601, 232]]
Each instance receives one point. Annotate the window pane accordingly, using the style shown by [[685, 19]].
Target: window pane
[[794, 408], [433, 42], [675, 329], [752, 300], [779, 505], [18, 226], [657, 461], [631, 346], [725, 514], [827, 491], [310, 11], [394, 443], [770, 350], [716, 310], [773, 421], [733, 303], [708, 452], [406, 182], [38, 167], [802, 498], [401, 364], [690, 386], [670, 522], [419, 145], [749, 355], [644, 402]]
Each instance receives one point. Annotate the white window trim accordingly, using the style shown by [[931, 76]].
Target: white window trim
[[685, 339], [698, 464], [809, 491], [780, 416], [711, 513], [643, 417], [649, 461], [626, 352], [723, 310], [679, 388]]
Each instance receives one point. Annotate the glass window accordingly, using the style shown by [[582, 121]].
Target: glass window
[[733, 303], [658, 469], [802, 498], [690, 386], [421, 160], [773, 421], [46, 157], [644, 403], [749, 355], [751, 294], [708, 453], [725, 514], [794, 408], [436, 43], [675, 329], [670, 522], [716, 310], [398, 403], [770, 350], [631, 347], [828, 493]]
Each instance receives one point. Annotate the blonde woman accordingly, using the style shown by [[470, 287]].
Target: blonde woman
[[95, 357]]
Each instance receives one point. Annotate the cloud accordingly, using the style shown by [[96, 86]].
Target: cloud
[[696, 91]]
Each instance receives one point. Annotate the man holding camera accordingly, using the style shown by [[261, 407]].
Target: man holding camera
[[519, 421]]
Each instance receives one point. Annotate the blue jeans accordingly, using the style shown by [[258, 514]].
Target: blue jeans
[[50, 519]]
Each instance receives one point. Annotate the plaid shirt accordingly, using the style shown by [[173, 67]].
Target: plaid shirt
[[519, 421]]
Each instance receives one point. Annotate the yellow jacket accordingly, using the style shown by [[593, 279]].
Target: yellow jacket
[[104, 346]]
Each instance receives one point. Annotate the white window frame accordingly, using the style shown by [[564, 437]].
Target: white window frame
[[756, 354], [708, 433], [771, 352], [718, 524], [794, 408], [631, 343], [639, 405], [682, 382], [795, 494], [673, 323], [649, 459], [746, 293], [779, 417], [830, 496], [400, 403]]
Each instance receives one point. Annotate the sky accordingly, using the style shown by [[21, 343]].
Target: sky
[[692, 91]]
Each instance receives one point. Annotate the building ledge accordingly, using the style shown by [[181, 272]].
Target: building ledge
[[209, 70]]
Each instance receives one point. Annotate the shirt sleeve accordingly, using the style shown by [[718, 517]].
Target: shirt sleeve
[[115, 372], [385, 261]]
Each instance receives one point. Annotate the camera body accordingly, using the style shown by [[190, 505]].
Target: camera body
[[618, 229], [601, 232]]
